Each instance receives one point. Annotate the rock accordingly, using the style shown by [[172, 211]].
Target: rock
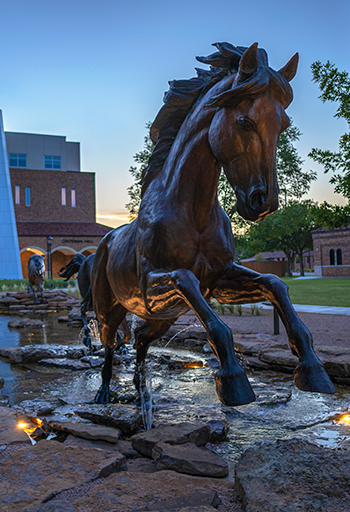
[[10, 433], [208, 414], [190, 459], [141, 465], [125, 447], [34, 473], [292, 475], [276, 399], [93, 361], [34, 353], [87, 443], [63, 318], [179, 433], [36, 407], [87, 431], [279, 357], [19, 323], [52, 506], [208, 500], [125, 417], [67, 364], [117, 493]]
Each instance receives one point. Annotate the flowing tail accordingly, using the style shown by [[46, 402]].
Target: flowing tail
[[72, 267]]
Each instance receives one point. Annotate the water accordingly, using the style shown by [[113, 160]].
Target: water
[[184, 394]]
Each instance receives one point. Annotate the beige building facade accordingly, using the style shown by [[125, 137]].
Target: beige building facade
[[332, 252]]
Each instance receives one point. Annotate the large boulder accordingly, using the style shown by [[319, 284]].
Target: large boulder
[[292, 475]]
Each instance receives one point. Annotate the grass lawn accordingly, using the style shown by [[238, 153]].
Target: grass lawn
[[319, 292]]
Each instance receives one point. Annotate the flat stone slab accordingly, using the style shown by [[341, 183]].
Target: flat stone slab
[[10, 433], [33, 473], [190, 459], [52, 506], [87, 431], [279, 357], [292, 475], [19, 323], [127, 491], [127, 418], [34, 353], [199, 501], [65, 363], [179, 433]]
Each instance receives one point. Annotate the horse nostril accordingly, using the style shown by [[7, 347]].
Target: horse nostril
[[257, 200]]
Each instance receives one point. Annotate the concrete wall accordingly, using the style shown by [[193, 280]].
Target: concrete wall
[[36, 146]]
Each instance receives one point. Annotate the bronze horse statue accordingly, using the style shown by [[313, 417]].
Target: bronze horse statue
[[36, 275], [81, 265], [179, 253]]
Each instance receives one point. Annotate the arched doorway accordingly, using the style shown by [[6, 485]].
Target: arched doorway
[[60, 257]]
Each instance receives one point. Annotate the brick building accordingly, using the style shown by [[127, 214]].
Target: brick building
[[332, 252], [52, 198]]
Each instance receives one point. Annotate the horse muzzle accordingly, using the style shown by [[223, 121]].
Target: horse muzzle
[[256, 205]]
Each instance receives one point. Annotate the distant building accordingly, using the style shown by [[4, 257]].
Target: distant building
[[332, 252], [52, 198]]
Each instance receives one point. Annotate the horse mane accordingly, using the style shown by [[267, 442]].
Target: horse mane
[[182, 95]]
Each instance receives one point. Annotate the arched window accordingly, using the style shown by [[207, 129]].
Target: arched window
[[331, 257], [339, 257]]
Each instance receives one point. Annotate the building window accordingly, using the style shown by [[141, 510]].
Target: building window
[[331, 257], [63, 196], [339, 257], [27, 196], [18, 160], [17, 194], [52, 162], [73, 198]]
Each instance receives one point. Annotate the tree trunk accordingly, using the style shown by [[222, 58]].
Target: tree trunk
[[301, 263]]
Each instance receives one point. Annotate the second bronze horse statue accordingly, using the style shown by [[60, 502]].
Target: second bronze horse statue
[[179, 252]]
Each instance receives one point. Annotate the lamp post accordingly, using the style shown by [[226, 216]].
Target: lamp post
[[49, 259]]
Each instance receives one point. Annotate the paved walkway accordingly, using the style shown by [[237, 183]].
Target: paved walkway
[[304, 308]]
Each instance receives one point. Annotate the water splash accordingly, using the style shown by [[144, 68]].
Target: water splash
[[146, 395], [94, 332]]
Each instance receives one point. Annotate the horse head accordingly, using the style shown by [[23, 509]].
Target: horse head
[[246, 126]]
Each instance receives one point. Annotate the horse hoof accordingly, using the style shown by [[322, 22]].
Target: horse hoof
[[313, 378], [102, 396], [233, 389]]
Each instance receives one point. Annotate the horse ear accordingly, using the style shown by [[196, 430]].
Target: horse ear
[[248, 63], [289, 70]]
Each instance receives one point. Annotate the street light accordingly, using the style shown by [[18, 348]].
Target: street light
[[49, 259]]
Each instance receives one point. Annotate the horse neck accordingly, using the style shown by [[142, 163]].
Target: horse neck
[[192, 170]]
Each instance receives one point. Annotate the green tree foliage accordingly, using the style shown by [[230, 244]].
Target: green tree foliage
[[335, 86], [134, 190], [288, 229], [331, 216]]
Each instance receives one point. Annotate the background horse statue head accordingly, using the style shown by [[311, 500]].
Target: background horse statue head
[[36, 275]]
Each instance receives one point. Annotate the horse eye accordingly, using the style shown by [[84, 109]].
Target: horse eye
[[246, 123]]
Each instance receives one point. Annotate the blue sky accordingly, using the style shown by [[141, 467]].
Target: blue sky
[[96, 71]]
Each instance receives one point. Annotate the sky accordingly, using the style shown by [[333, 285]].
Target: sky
[[96, 72]]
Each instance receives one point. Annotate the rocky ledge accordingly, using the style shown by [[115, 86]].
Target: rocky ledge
[[23, 303]]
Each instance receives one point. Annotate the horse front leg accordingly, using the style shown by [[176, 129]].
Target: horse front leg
[[232, 385], [242, 285]]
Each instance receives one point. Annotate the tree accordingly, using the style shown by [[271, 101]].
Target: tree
[[134, 190], [288, 229], [331, 216], [335, 86]]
